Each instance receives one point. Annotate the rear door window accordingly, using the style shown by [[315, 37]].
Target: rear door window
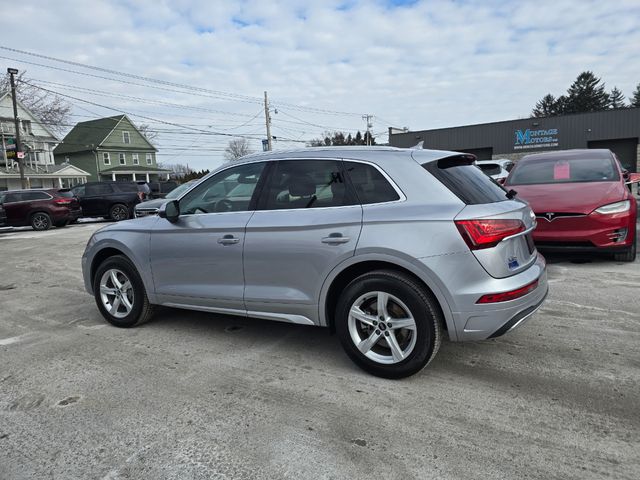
[[466, 181], [370, 185]]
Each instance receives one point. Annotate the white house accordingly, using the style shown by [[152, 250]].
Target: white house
[[38, 143]]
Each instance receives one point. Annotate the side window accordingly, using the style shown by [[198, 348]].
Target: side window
[[98, 189], [228, 191], [31, 196], [307, 184], [11, 198], [370, 185]]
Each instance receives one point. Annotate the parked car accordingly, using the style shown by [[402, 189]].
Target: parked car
[[39, 208], [160, 189], [150, 207], [497, 169], [580, 200], [388, 247], [114, 200], [3, 216]]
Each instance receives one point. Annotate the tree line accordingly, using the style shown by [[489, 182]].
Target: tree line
[[586, 94]]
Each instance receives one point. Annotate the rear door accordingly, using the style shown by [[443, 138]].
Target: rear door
[[308, 221], [95, 199], [496, 225]]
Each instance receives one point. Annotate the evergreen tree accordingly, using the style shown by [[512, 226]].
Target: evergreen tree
[[547, 107], [586, 94], [339, 139], [616, 98], [635, 100]]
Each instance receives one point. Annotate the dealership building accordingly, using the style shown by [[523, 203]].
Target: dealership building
[[617, 130]]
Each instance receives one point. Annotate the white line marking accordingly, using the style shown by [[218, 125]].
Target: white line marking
[[11, 340]]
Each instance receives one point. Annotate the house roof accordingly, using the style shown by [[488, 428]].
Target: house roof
[[89, 135], [50, 135], [40, 171]]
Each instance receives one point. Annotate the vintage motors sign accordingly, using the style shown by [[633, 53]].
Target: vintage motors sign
[[542, 138]]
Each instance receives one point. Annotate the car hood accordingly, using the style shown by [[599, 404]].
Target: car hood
[[581, 198], [151, 204]]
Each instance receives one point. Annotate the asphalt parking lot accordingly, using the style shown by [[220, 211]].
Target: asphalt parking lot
[[193, 395]]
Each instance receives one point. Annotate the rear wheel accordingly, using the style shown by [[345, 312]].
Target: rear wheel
[[388, 324], [119, 212], [40, 221], [629, 255], [120, 294]]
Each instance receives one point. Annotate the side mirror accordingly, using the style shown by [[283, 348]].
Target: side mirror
[[170, 211], [632, 178]]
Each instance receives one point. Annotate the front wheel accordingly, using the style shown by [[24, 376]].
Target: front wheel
[[120, 293], [627, 256], [388, 324]]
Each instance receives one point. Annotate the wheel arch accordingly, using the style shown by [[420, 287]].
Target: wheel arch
[[341, 276]]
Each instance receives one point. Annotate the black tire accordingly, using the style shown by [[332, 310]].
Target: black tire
[[40, 221], [119, 212], [422, 306], [61, 224], [629, 255], [141, 309]]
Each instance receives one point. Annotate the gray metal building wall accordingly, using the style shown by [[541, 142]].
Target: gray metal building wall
[[499, 139]]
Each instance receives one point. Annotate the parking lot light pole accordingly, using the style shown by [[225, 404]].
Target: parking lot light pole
[[12, 72]]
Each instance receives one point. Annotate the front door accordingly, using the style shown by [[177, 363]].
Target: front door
[[197, 261], [307, 222]]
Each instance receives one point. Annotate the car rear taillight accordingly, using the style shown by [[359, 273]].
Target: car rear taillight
[[510, 295], [487, 233], [141, 196], [62, 201]]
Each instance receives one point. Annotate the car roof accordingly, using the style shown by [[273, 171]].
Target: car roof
[[56, 189], [576, 154]]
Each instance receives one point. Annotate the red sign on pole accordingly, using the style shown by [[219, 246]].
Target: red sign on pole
[[20, 154]]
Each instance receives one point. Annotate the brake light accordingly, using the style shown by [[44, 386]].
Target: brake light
[[62, 201], [141, 196], [487, 233], [511, 295]]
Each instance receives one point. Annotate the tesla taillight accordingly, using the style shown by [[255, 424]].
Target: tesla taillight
[[487, 233], [510, 295]]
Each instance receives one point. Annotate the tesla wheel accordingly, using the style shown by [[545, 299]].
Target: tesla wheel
[[388, 324], [40, 221], [119, 212], [120, 293], [629, 255]]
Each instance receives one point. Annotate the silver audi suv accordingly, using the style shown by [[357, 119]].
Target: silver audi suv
[[389, 248]]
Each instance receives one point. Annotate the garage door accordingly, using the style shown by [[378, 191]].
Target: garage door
[[624, 148]]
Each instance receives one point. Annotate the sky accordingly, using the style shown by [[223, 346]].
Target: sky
[[325, 64]]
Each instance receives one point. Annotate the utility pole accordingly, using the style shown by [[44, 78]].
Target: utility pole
[[267, 119], [368, 119], [12, 72]]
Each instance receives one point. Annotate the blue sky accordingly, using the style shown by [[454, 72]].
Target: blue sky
[[420, 64]]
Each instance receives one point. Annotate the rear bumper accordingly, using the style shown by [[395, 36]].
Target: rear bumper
[[519, 318]]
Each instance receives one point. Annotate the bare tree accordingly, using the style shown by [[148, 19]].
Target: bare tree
[[238, 147], [145, 130], [178, 169], [52, 110]]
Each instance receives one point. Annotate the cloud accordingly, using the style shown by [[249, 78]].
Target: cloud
[[422, 64]]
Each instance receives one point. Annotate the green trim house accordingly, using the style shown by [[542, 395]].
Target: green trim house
[[110, 148]]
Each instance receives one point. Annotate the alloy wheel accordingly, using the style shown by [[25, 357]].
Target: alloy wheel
[[40, 221], [116, 293], [382, 327], [119, 213]]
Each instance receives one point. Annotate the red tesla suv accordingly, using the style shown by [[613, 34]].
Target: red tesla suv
[[580, 199]]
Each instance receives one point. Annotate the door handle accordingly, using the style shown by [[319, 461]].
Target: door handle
[[228, 240], [335, 239]]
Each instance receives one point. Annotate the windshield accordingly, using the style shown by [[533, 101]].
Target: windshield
[[179, 190], [554, 170]]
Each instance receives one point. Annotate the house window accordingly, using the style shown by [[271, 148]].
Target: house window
[[122, 160], [126, 138], [26, 126], [106, 159], [149, 159], [135, 159]]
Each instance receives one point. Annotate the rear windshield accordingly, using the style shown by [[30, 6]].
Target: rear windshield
[[65, 193], [490, 168], [466, 181], [556, 170]]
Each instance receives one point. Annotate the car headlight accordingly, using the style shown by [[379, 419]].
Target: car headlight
[[617, 207]]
